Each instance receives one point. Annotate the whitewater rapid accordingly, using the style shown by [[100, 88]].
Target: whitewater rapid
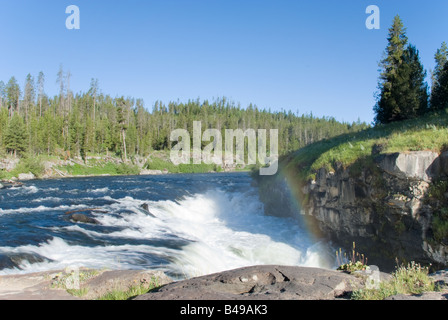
[[202, 231]]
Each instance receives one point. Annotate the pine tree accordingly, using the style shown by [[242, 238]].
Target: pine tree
[[28, 96], [439, 99], [13, 95], [397, 41], [2, 94], [414, 92], [15, 137], [40, 86], [403, 91], [439, 96], [121, 120], [441, 57]]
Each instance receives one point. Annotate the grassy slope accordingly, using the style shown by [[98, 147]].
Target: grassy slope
[[426, 133], [355, 150]]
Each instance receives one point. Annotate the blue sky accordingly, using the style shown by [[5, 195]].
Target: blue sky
[[305, 56]]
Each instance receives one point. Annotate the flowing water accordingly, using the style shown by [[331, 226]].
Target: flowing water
[[196, 224]]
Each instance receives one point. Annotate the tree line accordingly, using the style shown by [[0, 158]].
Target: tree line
[[403, 92], [71, 125]]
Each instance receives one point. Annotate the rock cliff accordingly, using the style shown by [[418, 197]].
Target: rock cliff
[[385, 204]]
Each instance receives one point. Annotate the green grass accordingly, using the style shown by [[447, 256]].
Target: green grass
[[101, 169], [426, 133], [131, 292], [62, 279], [157, 163], [126, 294], [78, 292], [411, 279]]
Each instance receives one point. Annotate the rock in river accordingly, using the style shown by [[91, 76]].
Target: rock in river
[[26, 176], [79, 217], [145, 207]]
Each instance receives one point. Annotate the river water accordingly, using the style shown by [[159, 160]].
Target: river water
[[197, 224]]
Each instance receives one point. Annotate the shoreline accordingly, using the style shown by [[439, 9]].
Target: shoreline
[[266, 282], [144, 172], [43, 167]]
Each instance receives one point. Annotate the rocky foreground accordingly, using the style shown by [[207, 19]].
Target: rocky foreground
[[250, 283]]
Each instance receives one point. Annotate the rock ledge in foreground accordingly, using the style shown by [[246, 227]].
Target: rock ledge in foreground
[[261, 282]]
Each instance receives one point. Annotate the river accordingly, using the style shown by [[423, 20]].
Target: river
[[197, 224]]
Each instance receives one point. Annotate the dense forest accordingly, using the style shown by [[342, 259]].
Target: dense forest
[[71, 125]]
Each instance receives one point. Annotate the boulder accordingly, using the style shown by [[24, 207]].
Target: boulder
[[440, 278], [15, 260], [26, 176], [145, 207], [9, 164], [150, 172], [122, 280], [44, 285], [417, 165], [79, 217], [261, 282]]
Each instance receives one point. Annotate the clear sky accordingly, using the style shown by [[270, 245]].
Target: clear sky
[[305, 56]]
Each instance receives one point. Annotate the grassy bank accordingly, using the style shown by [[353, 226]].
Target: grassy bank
[[426, 133], [164, 164], [98, 165], [108, 168], [358, 153], [26, 165]]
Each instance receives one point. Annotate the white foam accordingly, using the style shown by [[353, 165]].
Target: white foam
[[42, 209], [30, 189], [53, 199], [65, 255], [99, 190], [226, 230]]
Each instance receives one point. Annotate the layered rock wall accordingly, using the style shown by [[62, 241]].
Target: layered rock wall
[[383, 206]]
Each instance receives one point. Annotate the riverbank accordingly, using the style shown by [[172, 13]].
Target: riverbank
[[44, 167], [273, 282], [79, 284]]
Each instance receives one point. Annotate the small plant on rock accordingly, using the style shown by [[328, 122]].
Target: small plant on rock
[[353, 262]]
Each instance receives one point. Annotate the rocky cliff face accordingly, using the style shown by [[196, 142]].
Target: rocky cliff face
[[384, 205]]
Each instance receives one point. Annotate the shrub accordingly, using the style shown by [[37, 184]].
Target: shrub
[[30, 164], [410, 279], [437, 196], [127, 169], [440, 225]]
